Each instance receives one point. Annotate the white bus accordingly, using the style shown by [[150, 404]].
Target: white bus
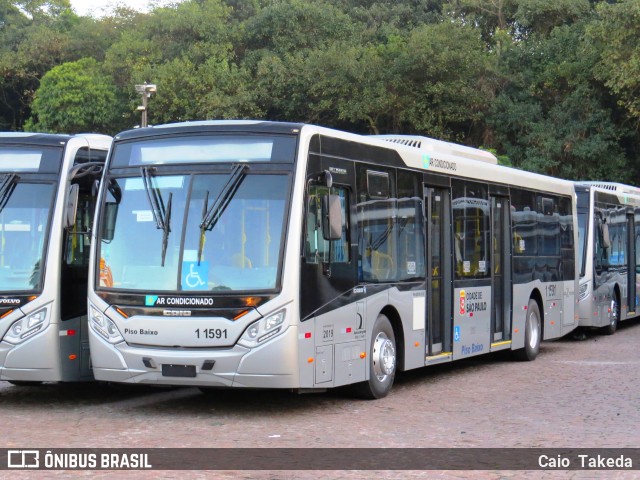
[[609, 253], [47, 199], [278, 255]]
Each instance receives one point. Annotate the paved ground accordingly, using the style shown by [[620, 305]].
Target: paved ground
[[577, 394]]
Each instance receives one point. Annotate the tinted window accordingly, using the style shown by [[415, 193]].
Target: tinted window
[[524, 218], [316, 247], [471, 230]]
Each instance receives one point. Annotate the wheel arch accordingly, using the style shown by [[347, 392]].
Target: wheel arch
[[537, 296], [396, 323], [618, 293]]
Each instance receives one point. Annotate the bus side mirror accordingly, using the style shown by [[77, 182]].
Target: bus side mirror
[[71, 207], [327, 179], [606, 239], [332, 218], [109, 223]]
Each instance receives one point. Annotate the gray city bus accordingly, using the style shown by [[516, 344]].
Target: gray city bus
[[279, 255], [609, 253], [47, 199]]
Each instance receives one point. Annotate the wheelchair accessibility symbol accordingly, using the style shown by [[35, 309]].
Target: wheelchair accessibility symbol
[[194, 276], [456, 334]]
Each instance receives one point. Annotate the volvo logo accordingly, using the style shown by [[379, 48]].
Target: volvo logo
[[10, 301], [176, 313]]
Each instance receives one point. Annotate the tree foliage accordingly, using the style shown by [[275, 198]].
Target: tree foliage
[[550, 84], [553, 116], [75, 97], [617, 31]]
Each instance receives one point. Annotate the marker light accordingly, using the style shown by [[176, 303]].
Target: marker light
[[27, 327], [104, 326], [241, 314], [263, 330]]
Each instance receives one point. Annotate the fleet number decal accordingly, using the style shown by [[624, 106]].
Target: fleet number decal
[[550, 290], [327, 333], [211, 333]]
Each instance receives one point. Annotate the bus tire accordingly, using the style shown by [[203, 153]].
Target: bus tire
[[532, 334], [382, 361], [615, 316]]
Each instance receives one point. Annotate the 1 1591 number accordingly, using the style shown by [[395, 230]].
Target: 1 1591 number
[[211, 333]]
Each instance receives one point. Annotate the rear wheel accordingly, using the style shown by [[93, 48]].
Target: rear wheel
[[382, 361], [615, 316], [532, 333]]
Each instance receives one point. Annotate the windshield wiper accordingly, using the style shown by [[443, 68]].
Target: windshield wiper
[[211, 215], [8, 184], [161, 215]]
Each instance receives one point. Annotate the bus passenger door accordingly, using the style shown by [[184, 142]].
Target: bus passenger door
[[74, 269], [631, 266], [501, 270], [439, 319]]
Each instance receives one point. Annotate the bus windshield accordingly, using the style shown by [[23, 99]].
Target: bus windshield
[[202, 232], [24, 223]]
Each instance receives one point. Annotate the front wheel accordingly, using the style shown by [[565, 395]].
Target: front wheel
[[382, 361], [532, 333]]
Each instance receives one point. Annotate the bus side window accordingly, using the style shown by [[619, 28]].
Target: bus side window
[[636, 235], [316, 248], [602, 243], [471, 230]]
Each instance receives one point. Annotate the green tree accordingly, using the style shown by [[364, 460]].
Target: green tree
[[542, 16], [355, 84], [193, 30], [617, 32], [520, 18], [552, 116], [12, 25], [216, 88], [35, 36], [292, 25], [76, 97], [420, 84], [446, 82]]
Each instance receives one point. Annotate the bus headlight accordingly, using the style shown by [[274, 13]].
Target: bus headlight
[[27, 327], [104, 326], [262, 330], [584, 290]]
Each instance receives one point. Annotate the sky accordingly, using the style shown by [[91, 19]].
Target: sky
[[100, 7]]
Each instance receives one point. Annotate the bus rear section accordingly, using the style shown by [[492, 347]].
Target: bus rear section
[[47, 200], [272, 255]]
